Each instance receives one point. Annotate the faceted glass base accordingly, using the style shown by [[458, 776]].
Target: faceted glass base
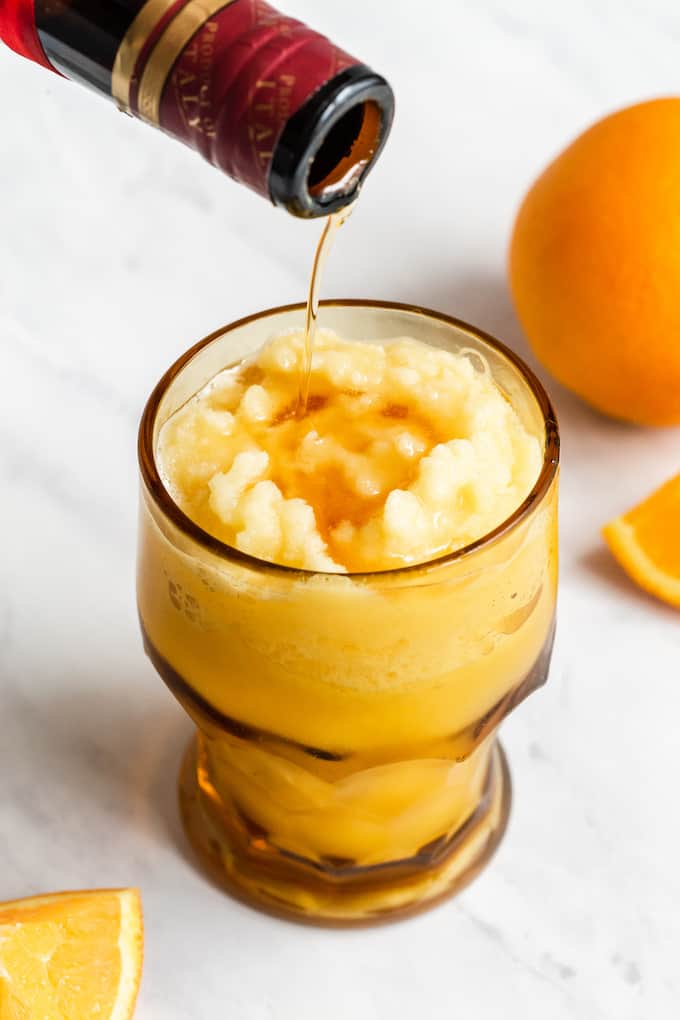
[[240, 858]]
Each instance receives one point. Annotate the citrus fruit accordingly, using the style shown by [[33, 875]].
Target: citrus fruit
[[594, 264], [71, 954], [646, 542]]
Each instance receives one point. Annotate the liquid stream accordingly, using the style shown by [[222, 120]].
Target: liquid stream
[[331, 227]]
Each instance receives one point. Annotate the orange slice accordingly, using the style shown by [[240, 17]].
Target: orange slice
[[75, 955], [646, 542]]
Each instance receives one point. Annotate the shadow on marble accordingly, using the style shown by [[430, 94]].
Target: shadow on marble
[[156, 774], [108, 755], [602, 565]]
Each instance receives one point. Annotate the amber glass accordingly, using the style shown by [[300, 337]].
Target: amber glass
[[345, 767]]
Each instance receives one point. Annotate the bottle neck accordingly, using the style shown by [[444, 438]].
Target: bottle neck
[[259, 95], [82, 37]]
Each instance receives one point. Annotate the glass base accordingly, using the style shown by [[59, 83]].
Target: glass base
[[280, 883]]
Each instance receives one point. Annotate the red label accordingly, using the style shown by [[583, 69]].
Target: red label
[[239, 80], [17, 29]]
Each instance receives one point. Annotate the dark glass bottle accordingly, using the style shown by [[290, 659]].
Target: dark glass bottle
[[261, 96]]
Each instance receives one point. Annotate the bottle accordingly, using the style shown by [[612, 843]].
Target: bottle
[[261, 96]]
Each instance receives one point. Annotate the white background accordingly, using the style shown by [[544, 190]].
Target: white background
[[118, 248]]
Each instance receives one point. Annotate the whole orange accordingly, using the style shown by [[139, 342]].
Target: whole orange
[[595, 264]]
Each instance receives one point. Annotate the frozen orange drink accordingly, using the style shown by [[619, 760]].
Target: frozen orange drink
[[348, 597]]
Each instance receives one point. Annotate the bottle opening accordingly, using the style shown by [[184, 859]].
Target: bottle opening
[[344, 153], [329, 145]]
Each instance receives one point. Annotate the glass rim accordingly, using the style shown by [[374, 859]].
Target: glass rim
[[163, 499]]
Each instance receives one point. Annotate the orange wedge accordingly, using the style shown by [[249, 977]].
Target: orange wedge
[[646, 542], [71, 954]]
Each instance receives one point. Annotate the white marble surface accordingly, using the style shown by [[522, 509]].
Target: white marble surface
[[118, 249]]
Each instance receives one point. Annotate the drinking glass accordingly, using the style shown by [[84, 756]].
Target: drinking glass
[[345, 767]]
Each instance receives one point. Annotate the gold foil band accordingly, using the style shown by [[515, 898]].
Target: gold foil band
[[164, 52], [167, 49], [131, 45]]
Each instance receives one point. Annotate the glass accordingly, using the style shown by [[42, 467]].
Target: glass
[[346, 767]]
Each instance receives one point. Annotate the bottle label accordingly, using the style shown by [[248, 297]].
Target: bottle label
[[224, 76]]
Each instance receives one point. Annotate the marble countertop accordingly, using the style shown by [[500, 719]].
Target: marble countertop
[[118, 249]]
